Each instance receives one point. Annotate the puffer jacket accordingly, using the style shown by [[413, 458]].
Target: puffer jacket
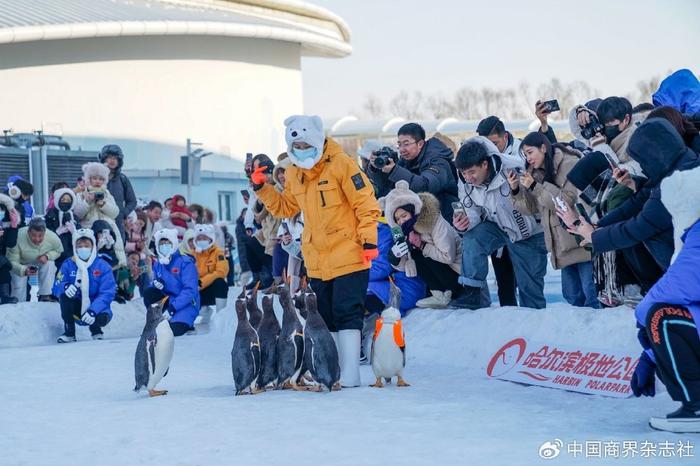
[[211, 264], [563, 247], [340, 212], [180, 280], [25, 252], [493, 202], [441, 241]]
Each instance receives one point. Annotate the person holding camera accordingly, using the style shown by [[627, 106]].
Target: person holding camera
[[540, 190], [32, 260], [426, 165], [175, 277], [96, 203], [428, 246], [9, 222], [85, 288], [491, 221]]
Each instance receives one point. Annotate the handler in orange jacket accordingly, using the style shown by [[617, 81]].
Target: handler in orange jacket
[[340, 229], [212, 267]]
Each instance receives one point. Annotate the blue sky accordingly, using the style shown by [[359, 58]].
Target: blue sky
[[442, 45]]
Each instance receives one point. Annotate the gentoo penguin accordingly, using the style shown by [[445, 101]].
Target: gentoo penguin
[[245, 355], [320, 352], [290, 345], [388, 345], [254, 312], [268, 332], [154, 351]]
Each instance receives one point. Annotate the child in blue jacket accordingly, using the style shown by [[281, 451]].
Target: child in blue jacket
[[175, 277], [85, 288]]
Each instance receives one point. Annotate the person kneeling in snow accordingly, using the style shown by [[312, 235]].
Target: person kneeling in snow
[[175, 277], [85, 288], [212, 267], [669, 315]]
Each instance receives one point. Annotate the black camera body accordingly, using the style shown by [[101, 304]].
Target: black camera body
[[383, 156], [99, 196], [593, 127]]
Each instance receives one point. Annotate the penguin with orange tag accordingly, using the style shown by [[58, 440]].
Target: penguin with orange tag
[[388, 345]]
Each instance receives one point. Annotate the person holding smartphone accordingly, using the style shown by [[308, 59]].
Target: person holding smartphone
[[540, 190]]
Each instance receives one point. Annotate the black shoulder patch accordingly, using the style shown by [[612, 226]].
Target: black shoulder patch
[[358, 181]]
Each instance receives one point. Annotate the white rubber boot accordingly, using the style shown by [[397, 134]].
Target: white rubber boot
[[349, 355], [205, 315], [220, 304], [438, 300]]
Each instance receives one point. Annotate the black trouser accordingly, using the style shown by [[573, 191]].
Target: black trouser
[[70, 312], [437, 275], [505, 278], [643, 266], [5, 269], [217, 289], [674, 339], [153, 295], [341, 300]]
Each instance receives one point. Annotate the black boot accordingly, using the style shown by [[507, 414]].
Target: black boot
[[469, 299], [686, 419], [6, 294]]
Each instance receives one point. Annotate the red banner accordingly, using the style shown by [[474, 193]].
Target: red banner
[[601, 372]]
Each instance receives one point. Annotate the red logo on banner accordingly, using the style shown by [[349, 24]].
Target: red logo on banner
[[504, 359]]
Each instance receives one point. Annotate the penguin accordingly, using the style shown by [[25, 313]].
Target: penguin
[[388, 344], [245, 355], [154, 351], [254, 312], [268, 333], [320, 352], [290, 345]]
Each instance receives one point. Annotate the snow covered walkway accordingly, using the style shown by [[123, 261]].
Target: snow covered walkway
[[73, 404]]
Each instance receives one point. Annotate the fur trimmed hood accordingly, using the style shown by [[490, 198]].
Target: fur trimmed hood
[[430, 214], [95, 169], [7, 202]]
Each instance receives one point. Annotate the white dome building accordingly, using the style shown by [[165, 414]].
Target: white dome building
[[147, 74]]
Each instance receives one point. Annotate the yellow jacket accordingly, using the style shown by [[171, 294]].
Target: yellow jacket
[[211, 264], [340, 212]]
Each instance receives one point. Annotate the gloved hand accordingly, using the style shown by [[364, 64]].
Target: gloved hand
[[643, 379], [369, 253], [399, 249], [158, 284], [88, 317], [71, 291], [258, 177]]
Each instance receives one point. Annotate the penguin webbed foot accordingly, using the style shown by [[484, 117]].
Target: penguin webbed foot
[[336, 387], [378, 383], [402, 383], [152, 393]]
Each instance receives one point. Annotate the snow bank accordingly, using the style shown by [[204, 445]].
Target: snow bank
[[468, 339], [34, 323]]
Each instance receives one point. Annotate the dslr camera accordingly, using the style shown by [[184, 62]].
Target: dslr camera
[[593, 127], [383, 156]]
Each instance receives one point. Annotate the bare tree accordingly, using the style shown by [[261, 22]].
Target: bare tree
[[373, 107], [409, 106], [646, 88]]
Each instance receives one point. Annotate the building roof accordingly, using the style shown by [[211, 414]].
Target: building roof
[[319, 31]]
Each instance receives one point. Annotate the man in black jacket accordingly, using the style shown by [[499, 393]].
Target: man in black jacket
[[119, 185], [428, 166]]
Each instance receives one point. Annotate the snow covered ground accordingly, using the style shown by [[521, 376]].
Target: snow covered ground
[[74, 404]]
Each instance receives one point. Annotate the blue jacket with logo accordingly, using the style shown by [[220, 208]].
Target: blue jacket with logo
[[102, 290], [181, 285]]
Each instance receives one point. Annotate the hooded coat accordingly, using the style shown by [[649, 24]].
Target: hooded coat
[[493, 202], [63, 222], [441, 241], [119, 186], [340, 212], [211, 262], [25, 252], [660, 151], [681, 90]]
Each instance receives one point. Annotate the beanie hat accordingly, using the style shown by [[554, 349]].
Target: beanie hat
[[401, 197]]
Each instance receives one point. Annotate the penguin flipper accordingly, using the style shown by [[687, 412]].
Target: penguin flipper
[[141, 373]]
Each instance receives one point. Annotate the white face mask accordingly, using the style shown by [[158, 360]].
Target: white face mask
[[83, 253], [165, 249], [202, 244]]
